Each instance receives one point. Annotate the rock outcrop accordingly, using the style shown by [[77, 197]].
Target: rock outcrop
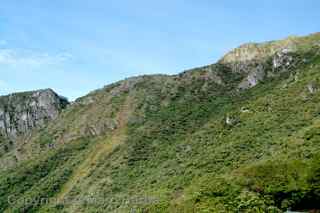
[[255, 62], [21, 112]]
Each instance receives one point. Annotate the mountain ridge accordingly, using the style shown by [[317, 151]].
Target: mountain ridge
[[235, 136]]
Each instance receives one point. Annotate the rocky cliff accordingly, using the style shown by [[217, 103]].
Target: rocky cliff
[[258, 61], [21, 112]]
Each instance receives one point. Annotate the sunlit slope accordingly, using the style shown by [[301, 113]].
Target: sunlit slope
[[194, 142]]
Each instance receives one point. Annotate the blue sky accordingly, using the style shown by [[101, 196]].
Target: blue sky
[[75, 46]]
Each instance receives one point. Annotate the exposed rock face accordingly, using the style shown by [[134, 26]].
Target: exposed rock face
[[312, 87], [282, 60], [21, 112], [252, 60], [255, 75], [230, 121], [256, 51]]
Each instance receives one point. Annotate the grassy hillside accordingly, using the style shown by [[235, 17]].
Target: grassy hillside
[[193, 142]]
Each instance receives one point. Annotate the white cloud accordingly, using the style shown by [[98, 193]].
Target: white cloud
[[17, 57]]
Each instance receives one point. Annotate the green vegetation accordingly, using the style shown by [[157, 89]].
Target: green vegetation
[[172, 149], [39, 179]]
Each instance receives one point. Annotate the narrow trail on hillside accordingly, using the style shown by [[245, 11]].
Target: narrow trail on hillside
[[100, 149]]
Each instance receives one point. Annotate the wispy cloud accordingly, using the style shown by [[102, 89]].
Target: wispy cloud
[[29, 58]]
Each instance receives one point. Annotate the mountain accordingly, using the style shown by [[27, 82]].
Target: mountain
[[240, 135]]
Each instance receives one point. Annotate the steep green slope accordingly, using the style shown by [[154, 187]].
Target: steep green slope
[[195, 142]]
